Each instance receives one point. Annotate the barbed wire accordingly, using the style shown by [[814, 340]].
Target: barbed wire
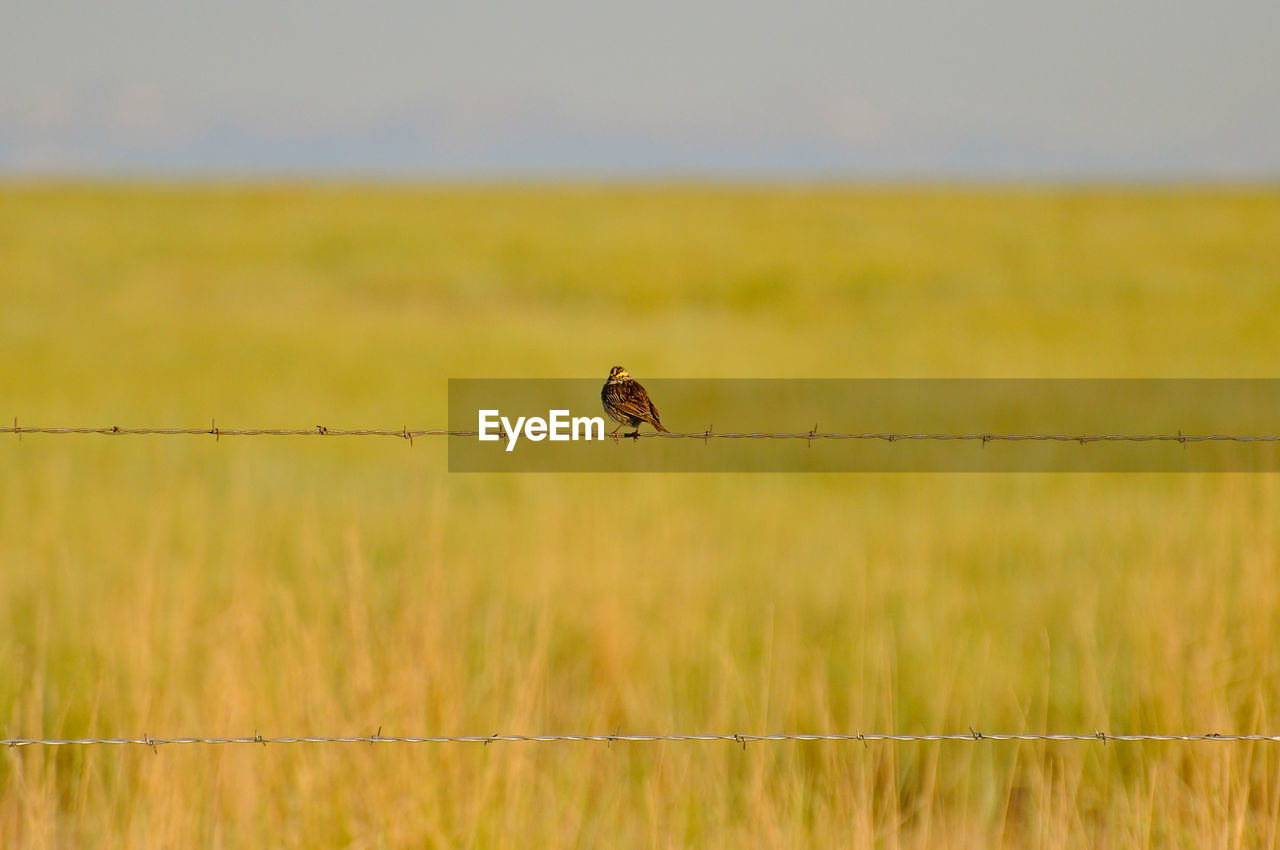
[[743, 739], [410, 434]]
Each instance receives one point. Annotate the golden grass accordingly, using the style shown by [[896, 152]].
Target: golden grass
[[175, 586]]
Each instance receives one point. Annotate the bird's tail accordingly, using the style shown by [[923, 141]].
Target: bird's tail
[[658, 425]]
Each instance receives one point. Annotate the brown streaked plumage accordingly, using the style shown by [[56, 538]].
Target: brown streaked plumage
[[627, 403]]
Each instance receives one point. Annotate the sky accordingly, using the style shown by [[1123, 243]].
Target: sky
[[1090, 89]]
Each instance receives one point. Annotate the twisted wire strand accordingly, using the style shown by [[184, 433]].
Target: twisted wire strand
[[738, 738], [709, 434]]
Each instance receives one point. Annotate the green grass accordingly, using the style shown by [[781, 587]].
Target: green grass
[[176, 586]]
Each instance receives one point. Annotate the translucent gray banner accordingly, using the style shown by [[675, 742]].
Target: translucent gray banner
[[872, 425]]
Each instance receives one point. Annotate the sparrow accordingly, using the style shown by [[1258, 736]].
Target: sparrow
[[627, 403]]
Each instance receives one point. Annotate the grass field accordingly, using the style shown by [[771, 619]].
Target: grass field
[[177, 586]]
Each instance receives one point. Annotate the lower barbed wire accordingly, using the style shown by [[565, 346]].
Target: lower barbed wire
[[972, 736]]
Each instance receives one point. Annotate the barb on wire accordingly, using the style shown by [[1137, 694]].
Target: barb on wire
[[409, 434], [738, 738]]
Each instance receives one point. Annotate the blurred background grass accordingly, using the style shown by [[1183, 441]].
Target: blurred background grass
[[176, 586]]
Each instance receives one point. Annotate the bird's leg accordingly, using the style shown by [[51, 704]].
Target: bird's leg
[[615, 431], [635, 435]]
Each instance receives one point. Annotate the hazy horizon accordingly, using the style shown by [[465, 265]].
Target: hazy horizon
[[1133, 91]]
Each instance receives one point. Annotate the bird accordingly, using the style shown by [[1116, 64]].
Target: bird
[[627, 403]]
